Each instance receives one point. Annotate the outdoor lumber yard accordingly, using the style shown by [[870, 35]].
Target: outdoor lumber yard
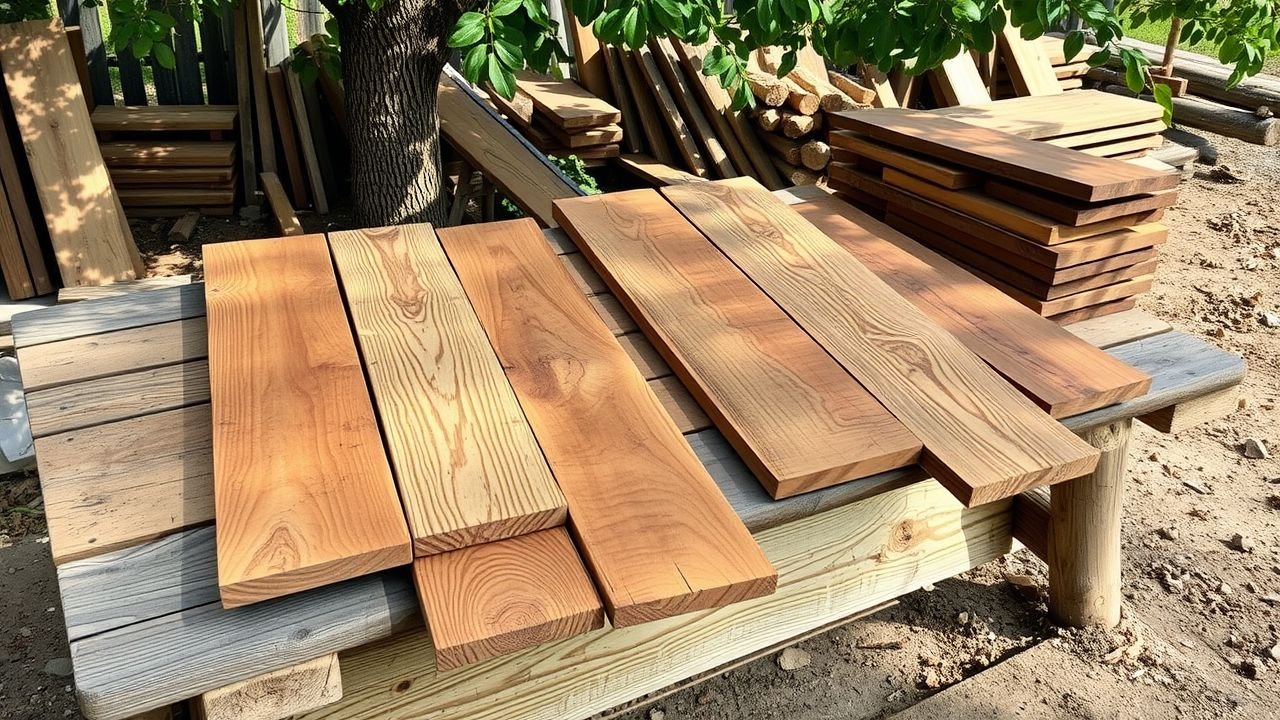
[[647, 360]]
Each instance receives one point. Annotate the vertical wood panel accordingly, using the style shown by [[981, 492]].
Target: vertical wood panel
[[275, 31], [190, 84], [215, 39], [132, 86], [311, 18], [91, 32]]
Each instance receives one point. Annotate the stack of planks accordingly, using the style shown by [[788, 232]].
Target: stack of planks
[[58, 207], [168, 159], [561, 118], [1069, 74], [1067, 234]]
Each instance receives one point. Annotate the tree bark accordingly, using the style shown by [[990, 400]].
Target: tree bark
[[392, 58]]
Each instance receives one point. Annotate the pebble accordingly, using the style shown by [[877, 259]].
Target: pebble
[[1270, 319], [1255, 449], [657, 714], [1273, 652], [60, 667], [793, 659], [1169, 533], [1196, 486], [24, 631], [1225, 589], [963, 618], [1243, 543], [931, 678]]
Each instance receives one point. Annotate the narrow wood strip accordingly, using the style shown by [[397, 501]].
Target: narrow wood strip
[[1057, 371], [102, 356], [307, 141], [1073, 212], [1109, 134], [670, 112], [1119, 329], [494, 599], [465, 460], [292, 151], [120, 287], [843, 143], [677, 547], [93, 402], [646, 108], [1025, 63], [65, 322], [257, 79], [797, 418], [285, 219], [1095, 311], [669, 65], [304, 492], [21, 206], [983, 439], [715, 103]]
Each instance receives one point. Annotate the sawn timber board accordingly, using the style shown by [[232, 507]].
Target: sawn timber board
[[1048, 167], [657, 534], [983, 439], [1047, 116], [1059, 372], [797, 418], [1073, 212], [466, 462], [304, 493], [566, 104]]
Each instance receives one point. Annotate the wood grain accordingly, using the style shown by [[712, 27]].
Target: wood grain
[[566, 104], [982, 438], [1059, 170], [120, 397], [1048, 116], [282, 214], [717, 156], [90, 236], [281, 693], [669, 111], [465, 460], [659, 538], [1059, 372], [947, 176], [1073, 212], [1119, 329], [494, 599], [795, 415], [304, 493], [22, 207], [309, 143], [290, 148], [1026, 64]]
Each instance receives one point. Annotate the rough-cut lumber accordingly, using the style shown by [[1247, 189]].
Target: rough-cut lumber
[[1119, 329], [89, 233], [16, 196], [603, 135], [506, 159], [665, 55], [290, 147], [1047, 167], [653, 172], [1184, 416], [494, 599], [1009, 216], [13, 263], [244, 104], [670, 112], [623, 96], [646, 108], [1112, 135], [467, 465], [178, 153], [1026, 64], [878, 81], [257, 79], [163, 118], [947, 176], [124, 287], [715, 103], [657, 535], [307, 142], [1073, 212], [959, 82], [281, 211], [278, 694], [1060, 373], [565, 103], [304, 493], [766, 383], [1049, 116], [867, 326], [179, 232], [589, 60], [118, 397], [176, 197]]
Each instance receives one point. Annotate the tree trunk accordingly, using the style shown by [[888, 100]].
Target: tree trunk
[[392, 58]]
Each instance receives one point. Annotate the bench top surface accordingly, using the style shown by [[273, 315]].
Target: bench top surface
[[118, 401]]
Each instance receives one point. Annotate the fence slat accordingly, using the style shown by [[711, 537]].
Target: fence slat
[[91, 33], [131, 83], [214, 48], [190, 85], [275, 31], [310, 19]]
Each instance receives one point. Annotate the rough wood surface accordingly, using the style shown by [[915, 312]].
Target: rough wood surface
[[465, 460], [135, 118], [1026, 64], [120, 397], [566, 104], [829, 293], [22, 207], [309, 143], [650, 121], [669, 64], [500, 597], [1061, 373], [1048, 167], [275, 695], [121, 287], [715, 103], [1117, 329], [669, 111], [653, 172], [95, 356], [576, 385], [90, 236], [290, 147], [1194, 412], [304, 492], [286, 220], [958, 81], [173, 153], [1049, 116], [795, 415]]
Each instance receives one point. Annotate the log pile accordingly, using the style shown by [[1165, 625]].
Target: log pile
[[1065, 255]]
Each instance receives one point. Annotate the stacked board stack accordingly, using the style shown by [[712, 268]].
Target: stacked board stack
[[561, 118], [1069, 235], [166, 160]]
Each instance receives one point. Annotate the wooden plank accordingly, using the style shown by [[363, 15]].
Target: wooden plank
[[1057, 371], [1195, 412], [507, 160], [319, 136], [1047, 167], [1038, 118], [172, 176], [1111, 134], [564, 103], [172, 153], [1088, 298], [175, 197], [589, 60], [292, 151], [500, 597], [669, 65], [959, 81], [286, 221], [942, 174], [1026, 64], [256, 78], [190, 84], [94, 402], [678, 547], [646, 107], [304, 492], [307, 142], [213, 45], [1077, 213], [623, 96], [603, 135], [876, 79], [715, 103], [100, 356], [244, 103], [90, 238], [122, 287], [11, 179], [465, 460], [1011, 217], [13, 262], [670, 112], [282, 693], [865, 325], [1118, 329], [771, 389], [653, 172]]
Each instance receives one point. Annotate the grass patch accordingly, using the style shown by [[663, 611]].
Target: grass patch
[[1158, 33]]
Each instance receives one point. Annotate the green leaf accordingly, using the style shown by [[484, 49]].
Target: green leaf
[[164, 55], [468, 31], [141, 47], [502, 79], [1072, 45], [969, 9], [635, 28], [789, 60], [1133, 77], [1164, 98], [473, 62], [509, 54], [505, 7], [1099, 58]]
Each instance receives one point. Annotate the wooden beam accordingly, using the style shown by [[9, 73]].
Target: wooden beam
[[244, 104], [1026, 64], [288, 137], [306, 141], [304, 492], [588, 59], [565, 104], [648, 564], [670, 112], [283, 693], [665, 55], [941, 174]]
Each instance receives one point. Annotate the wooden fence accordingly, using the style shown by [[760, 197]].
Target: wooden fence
[[205, 67]]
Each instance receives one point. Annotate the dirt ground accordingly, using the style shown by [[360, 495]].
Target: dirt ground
[[1199, 638]]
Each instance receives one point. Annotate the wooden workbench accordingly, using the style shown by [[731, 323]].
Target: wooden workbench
[[118, 399]]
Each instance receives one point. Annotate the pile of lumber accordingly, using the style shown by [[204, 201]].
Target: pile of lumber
[[791, 111], [168, 159], [1069, 74], [1067, 234], [58, 208], [561, 118]]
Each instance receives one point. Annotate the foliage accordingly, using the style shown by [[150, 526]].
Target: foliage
[[146, 28], [18, 10], [1244, 32]]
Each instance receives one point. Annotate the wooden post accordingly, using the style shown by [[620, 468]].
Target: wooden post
[[1084, 535]]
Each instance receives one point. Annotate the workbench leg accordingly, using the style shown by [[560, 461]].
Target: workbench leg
[[1084, 535]]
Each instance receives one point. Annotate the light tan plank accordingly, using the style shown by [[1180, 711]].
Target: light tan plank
[[275, 695]]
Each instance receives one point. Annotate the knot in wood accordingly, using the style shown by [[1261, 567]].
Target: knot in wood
[[902, 536]]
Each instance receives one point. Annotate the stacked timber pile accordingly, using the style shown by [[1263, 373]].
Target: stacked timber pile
[[561, 118], [1069, 74], [792, 110], [58, 209], [168, 159], [1069, 235]]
